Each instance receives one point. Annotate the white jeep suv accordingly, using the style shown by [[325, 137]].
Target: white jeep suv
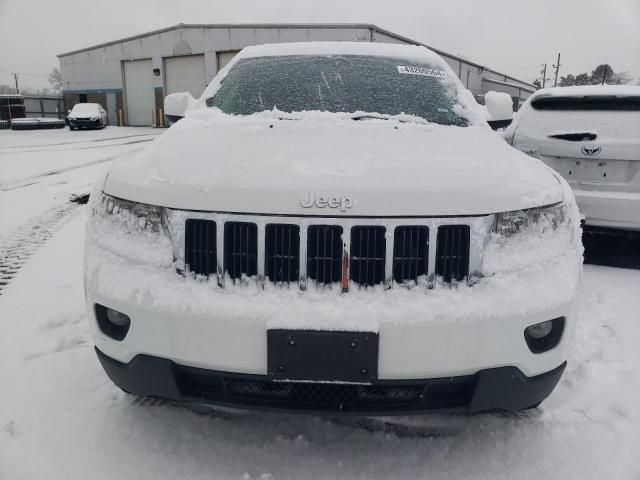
[[333, 227]]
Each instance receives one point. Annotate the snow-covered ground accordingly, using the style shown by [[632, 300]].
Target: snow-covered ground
[[60, 417]]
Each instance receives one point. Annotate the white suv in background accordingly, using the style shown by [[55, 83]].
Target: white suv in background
[[334, 227], [591, 136]]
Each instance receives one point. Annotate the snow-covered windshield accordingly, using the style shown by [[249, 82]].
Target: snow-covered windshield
[[85, 109], [338, 83]]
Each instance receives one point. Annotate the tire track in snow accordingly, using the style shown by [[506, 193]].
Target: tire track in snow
[[32, 180], [17, 248], [79, 141], [90, 147]]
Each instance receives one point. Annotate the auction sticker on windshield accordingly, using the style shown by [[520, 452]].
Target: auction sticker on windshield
[[424, 71]]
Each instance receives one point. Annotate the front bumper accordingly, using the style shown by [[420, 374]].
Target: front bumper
[[609, 208], [496, 389], [83, 123]]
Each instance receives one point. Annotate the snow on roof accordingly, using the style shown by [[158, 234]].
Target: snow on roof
[[589, 90], [415, 53]]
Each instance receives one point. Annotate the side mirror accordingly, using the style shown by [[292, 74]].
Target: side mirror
[[176, 105], [499, 109]]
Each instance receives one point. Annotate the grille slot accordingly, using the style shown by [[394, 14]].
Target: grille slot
[[240, 249], [368, 251], [282, 253], [324, 253], [200, 246], [410, 253], [452, 253]]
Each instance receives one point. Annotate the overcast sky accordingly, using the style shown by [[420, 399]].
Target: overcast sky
[[513, 37]]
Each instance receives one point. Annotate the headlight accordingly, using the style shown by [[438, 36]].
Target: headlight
[[95, 118], [128, 216], [540, 218]]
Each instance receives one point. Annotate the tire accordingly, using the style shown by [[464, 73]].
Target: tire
[[35, 125]]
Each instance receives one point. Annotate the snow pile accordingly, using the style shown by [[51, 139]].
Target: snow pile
[[499, 105], [130, 230]]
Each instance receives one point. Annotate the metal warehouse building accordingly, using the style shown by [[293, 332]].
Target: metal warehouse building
[[131, 77]]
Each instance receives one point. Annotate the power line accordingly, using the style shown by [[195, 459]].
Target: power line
[[24, 74]]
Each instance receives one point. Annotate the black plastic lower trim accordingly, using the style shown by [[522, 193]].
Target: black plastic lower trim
[[495, 389]]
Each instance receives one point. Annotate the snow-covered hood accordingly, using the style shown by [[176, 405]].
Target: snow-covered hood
[[332, 165]]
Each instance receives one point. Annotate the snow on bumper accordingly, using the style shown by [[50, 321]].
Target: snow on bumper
[[423, 333]]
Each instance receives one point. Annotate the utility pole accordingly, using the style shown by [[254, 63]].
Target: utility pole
[[557, 67], [544, 75], [15, 77]]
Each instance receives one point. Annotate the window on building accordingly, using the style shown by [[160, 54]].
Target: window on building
[[82, 98]]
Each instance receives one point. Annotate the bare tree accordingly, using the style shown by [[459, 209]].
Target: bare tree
[[55, 79]]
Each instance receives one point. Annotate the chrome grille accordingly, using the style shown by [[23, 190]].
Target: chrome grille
[[410, 253], [240, 249], [350, 252], [282, 253], [368, 254], [200, 246], [452, 254], [324, 253]]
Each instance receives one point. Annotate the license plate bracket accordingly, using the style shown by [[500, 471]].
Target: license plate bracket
[[322, 355]]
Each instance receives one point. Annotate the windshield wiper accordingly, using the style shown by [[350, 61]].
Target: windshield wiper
[[369, 117]]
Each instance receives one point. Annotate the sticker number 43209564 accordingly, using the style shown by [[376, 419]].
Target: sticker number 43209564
[[424, 71]]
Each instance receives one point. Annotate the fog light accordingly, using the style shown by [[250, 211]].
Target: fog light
[[117, 318], [112, 323], [540, 330], [544, 336]]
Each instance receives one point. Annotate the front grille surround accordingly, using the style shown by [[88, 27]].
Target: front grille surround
[[479, 228]]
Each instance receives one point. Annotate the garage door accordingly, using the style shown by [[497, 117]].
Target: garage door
[[185, 74], [140, 96]]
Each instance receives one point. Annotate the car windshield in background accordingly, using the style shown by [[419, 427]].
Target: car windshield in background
[[85, 109], [587, 103], [337, 83]]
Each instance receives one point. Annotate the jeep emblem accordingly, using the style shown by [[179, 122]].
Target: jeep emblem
[[344, 203], [591, 150]]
